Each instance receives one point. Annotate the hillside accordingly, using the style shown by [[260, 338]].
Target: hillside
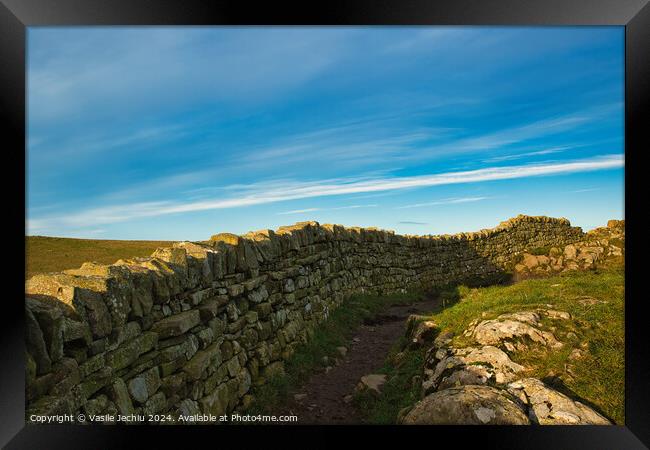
[[54, 254]]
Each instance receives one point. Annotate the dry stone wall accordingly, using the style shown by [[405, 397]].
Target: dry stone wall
[[190, 329]]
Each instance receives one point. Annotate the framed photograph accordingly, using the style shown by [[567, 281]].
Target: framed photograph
[[407, 219]]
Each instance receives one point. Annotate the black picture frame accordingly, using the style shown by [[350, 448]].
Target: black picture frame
[[16, 15]]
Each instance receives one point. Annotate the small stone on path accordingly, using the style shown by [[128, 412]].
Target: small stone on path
[[374, 382]]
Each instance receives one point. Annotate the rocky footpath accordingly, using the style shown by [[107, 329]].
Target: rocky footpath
[[480, 384], [327, 397], [191, 328]]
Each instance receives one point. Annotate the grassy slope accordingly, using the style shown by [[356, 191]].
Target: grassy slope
[[598, 378], [52, 254]]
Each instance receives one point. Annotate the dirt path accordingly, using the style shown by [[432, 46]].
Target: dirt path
[[321, 399]]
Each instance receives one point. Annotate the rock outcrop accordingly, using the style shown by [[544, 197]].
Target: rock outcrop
[[482, 385], [448, 367], [596, 248], [513, 332]]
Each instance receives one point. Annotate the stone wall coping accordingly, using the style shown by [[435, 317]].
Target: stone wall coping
[[232, 240]]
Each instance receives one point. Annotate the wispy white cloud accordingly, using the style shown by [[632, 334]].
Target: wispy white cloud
[[253, 195], [354, 207], [97, 143], [302, 211], [585, 190], [299, 211], [447, 201], [376, 141], [517, 134], [547, 151], [409, 222], [382, 139]]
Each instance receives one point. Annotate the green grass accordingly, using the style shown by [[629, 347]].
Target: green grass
[[336, 331], [397, 393], [52, 254], [596, 380]]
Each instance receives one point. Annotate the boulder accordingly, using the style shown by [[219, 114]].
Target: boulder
[[530, 261], [467, 405], [570, 252]]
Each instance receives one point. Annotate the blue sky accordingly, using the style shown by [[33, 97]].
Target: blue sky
[[181, 133]]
